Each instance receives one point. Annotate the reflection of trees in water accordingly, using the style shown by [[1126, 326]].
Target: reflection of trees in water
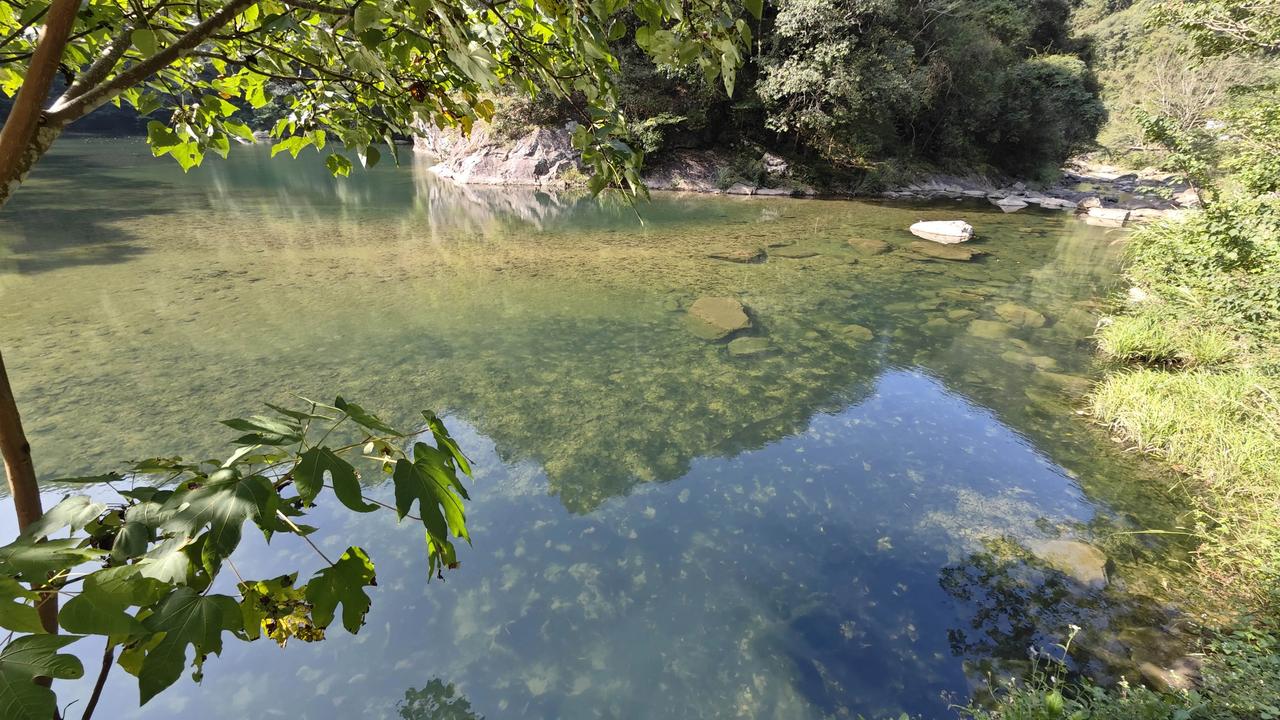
[[1016, 603], [436, 701]]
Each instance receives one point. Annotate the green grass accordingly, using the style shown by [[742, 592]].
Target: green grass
[[1152, 337], [1195, 381], [1222, 429]]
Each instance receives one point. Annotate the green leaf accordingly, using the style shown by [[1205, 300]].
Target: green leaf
[[364, 419], [168, 562], [297, 414], [366, 15], [445, 441], [17, 607], [145, 41], [223, 504], [35, 560], [21, 662], [308, 475], [187, 618], [755, 7], [131, 541], [369, 156], [342, 583], [73, 512], [100, 607], [429, 480], [263, 430], [338, 165]]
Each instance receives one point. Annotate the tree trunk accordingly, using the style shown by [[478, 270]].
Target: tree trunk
[[23, 487], [25, 119], [40, 143]]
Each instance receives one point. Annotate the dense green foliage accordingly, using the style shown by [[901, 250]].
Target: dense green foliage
[[993, 83], [138, 569], [1170, 104], [845, 84], [362, 74], [1203, 384]]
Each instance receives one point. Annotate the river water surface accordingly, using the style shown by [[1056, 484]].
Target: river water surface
[[843, 523]]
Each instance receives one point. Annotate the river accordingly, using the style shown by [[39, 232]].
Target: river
[[843, 522]]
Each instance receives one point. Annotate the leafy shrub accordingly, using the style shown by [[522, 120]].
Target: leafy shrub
[[1221, 266]]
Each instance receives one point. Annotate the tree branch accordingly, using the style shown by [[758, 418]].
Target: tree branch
[[136, 73], [319, 7], [108, 656]]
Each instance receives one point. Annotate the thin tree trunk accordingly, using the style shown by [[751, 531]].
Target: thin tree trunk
[[19, 135], [22, 480]]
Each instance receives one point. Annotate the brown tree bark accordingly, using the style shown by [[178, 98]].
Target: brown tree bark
[[17, 139], [23, 487], [22, 142]]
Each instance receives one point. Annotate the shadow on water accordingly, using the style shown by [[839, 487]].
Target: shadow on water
[[1018, 605], [76, 210]]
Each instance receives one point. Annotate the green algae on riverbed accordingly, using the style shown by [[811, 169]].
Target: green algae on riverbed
[[751, 532]]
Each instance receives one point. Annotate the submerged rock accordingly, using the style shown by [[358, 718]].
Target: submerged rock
[[857, 333], [989, 329], [961, 315], [1079, 560], [1041, 362], [1071, 384], [740, 255], [718, 317], [868, 246], [944, 252], [747, 346], [794, 253], [1020, 315]]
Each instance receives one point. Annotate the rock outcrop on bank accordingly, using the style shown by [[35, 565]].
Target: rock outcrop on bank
[[545, 157]]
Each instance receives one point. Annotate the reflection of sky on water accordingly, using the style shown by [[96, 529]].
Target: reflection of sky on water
[[791, 581], [662, 529]]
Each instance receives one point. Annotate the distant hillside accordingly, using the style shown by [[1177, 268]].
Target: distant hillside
[[1152, 68]]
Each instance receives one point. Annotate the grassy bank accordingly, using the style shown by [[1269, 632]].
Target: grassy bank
[[1194, 379]]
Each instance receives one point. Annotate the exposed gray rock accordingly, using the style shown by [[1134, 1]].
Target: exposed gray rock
[[1117, 216], [776, 191], [543, 157]]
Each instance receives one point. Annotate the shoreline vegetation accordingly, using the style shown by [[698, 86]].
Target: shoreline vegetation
[[1193, 378]]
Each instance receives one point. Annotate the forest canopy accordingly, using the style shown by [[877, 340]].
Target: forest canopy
[[993, 84]]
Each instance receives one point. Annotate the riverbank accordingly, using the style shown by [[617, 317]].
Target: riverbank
[[1195, 380], [544, 157]]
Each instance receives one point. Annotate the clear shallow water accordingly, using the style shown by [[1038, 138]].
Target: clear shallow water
[[662, 529]]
